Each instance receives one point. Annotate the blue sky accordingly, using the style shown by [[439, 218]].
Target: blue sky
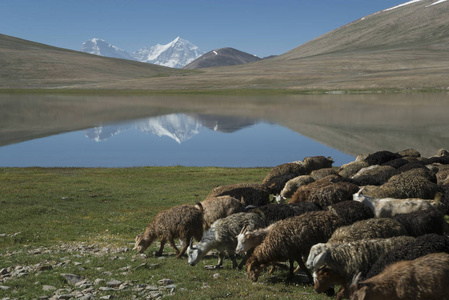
[[259, 27]]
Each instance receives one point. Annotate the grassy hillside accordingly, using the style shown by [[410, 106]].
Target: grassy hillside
[[403, 48]]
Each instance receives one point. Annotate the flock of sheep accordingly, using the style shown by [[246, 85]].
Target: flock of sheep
[[374, 226]]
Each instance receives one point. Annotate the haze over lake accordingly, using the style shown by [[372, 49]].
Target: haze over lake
[[229, 131]]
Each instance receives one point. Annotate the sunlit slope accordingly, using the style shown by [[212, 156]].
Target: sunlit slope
[[28, 64], [406, 48]]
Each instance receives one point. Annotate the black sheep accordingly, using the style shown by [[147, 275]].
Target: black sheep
[[351, 211], [422, 222]]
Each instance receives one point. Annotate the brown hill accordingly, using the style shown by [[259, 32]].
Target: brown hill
[[222, 57], [406, 47]]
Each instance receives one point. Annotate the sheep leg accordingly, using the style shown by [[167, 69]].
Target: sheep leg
[[234, 261], [220, 260], [183, 250], [304, 269], [172, 244], [159, 252], [290, 272]]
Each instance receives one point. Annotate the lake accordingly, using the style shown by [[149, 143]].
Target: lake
[[224, 131]]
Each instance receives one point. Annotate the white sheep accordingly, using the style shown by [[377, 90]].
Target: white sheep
[[222, 236], [389, 207]]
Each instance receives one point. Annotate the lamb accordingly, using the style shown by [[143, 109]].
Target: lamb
[[222, 236], [422, 222], [183, 221], [219, 207], [251, 193], [351, 211], [389, 207], [321, 173], [422, 245], [424, 278], [368, 229], [339, 263], [293, 184], [380, 157], [291, 239], [312, 163]]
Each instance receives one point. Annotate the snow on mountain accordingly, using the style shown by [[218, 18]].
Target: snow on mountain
[[175, 54], [101, 47]]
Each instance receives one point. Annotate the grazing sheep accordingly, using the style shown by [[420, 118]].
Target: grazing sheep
[[351, 211], [293, 184], [321, 173], [350, 169], [414, 183], [389, 207], [422, 245], [281, 174], [291, 239], [339, 263], [312, 163], [251, 193], [303, 192], [409, 153], [422, 222], [247, 240], [219, 207], [373, 175], [184, 222], [276, 212], [222, 236], [333, 193], [424, 278], [380, 157], [368, 229]]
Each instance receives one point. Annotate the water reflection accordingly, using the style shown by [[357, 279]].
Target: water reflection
[[173, 139], [211, 128]]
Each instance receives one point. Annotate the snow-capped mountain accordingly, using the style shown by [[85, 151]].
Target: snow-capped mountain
[[101, 47], [175, 54]]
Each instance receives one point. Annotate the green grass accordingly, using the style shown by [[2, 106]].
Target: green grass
[[48, 214]]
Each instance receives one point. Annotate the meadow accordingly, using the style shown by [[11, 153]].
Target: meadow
[[82, 221]]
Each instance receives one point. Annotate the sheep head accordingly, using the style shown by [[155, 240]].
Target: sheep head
[[142, 243], [314, 253], [241, 241], [323, 278], [253, 269], [194, 254]]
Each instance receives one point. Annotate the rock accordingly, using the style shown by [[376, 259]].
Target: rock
[[216, 276], [48, 288], [154, 294], [106, 288], [107, 297], [113, 283], [165, 281], [71, 278], [99, 281], [4, 287]]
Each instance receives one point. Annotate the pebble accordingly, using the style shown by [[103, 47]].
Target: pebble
[[165, 281]]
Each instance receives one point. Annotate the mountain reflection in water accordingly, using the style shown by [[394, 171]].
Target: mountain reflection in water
[[173, 139]]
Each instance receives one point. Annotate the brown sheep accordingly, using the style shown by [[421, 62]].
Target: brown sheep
[[219, 207], [182, 221], [291, 239], [425, 278], [281, 174], [251, 193], [303, 192]]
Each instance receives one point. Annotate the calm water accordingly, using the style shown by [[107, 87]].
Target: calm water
[[229, 131], [175, 139]]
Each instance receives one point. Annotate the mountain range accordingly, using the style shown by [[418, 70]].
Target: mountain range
[[403, 47], [175, 54], [222, 57]]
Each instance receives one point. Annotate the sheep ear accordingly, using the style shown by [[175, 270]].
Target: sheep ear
[[319, 260]]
